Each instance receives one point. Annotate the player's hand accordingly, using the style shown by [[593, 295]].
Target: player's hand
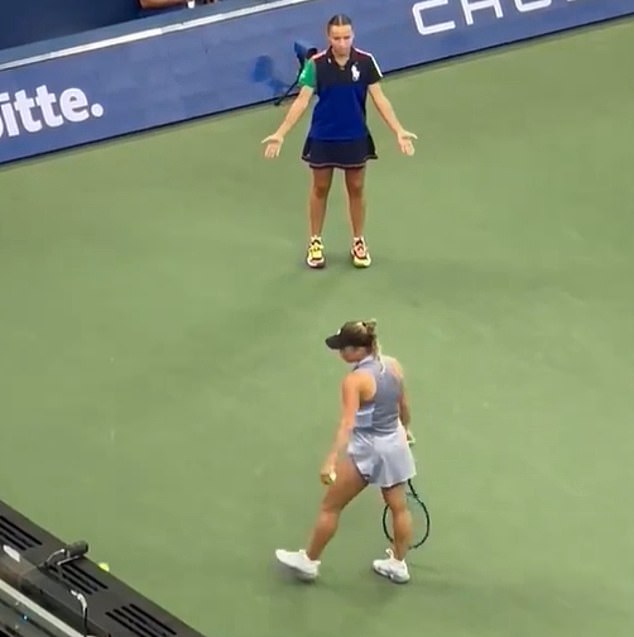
[[273, 145], [405, 141]]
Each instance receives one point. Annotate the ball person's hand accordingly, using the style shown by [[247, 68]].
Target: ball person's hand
[[405, 141], [273, 145]]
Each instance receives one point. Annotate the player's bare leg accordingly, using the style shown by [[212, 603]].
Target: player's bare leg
[[395, 567], [348, 484]]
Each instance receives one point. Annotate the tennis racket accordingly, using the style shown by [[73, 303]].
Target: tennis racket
[[420, 518], [420, 513]]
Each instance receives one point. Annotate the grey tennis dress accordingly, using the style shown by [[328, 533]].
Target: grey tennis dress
[[377, 445]]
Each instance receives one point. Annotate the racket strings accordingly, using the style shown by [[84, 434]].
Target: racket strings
[[421, 520]]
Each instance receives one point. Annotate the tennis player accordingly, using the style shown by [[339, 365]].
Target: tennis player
[[341, 76], [372, 432]]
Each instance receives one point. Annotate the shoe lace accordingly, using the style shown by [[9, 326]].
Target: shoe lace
[[359, 248], [315, 248]]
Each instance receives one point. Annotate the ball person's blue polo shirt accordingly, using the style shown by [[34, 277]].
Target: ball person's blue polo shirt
[[340, 113]]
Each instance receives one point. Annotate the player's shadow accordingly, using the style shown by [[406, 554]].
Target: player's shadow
[[264, 72]]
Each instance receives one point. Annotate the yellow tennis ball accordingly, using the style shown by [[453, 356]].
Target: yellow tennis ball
[[329, 479], [104, 566]]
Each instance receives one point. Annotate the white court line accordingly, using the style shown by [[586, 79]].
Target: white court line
[[151, 33]]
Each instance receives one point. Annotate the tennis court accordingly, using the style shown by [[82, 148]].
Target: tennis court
[[166, 394]]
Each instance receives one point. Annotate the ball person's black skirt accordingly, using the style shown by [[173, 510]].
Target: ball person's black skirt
[[348, 154]]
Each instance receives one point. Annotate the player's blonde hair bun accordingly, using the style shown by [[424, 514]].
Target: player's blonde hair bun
[[370, 330], [370, 327]]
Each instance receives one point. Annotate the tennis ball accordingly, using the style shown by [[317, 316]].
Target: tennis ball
[[104, 566], [329, 479]]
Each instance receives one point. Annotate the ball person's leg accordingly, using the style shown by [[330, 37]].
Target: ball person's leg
[[317, 203], [347, 486], [318, 199], [355, 182], [355, 188]]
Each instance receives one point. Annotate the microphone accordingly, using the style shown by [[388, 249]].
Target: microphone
[[66, 554], [56, 560], [303, 52]]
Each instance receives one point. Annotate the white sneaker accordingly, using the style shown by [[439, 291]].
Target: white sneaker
[[305, 568], [395, 570]]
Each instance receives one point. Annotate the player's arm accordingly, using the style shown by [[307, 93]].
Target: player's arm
[[307, 83], [403, 401], [350, 401], [403, 409]]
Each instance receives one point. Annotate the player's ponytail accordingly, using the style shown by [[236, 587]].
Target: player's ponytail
[[374, 345]]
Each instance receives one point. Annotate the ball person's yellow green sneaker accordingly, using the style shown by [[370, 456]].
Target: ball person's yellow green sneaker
[[315, 254], [360, 253]]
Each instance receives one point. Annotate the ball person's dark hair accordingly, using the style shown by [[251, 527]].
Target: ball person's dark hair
[[339, 20]]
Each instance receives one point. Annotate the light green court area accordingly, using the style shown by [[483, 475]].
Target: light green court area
[[162, 361]]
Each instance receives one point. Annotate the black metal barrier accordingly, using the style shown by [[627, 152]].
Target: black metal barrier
[[75, 590]]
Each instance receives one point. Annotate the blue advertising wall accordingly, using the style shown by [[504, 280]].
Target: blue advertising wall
[[224, 61], [24, 21]]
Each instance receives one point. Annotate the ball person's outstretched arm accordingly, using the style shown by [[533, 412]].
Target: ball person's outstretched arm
[[274, 142], [307, 82], [384, 107]]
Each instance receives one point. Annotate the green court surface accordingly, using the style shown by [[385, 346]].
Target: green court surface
[[166, 393]]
